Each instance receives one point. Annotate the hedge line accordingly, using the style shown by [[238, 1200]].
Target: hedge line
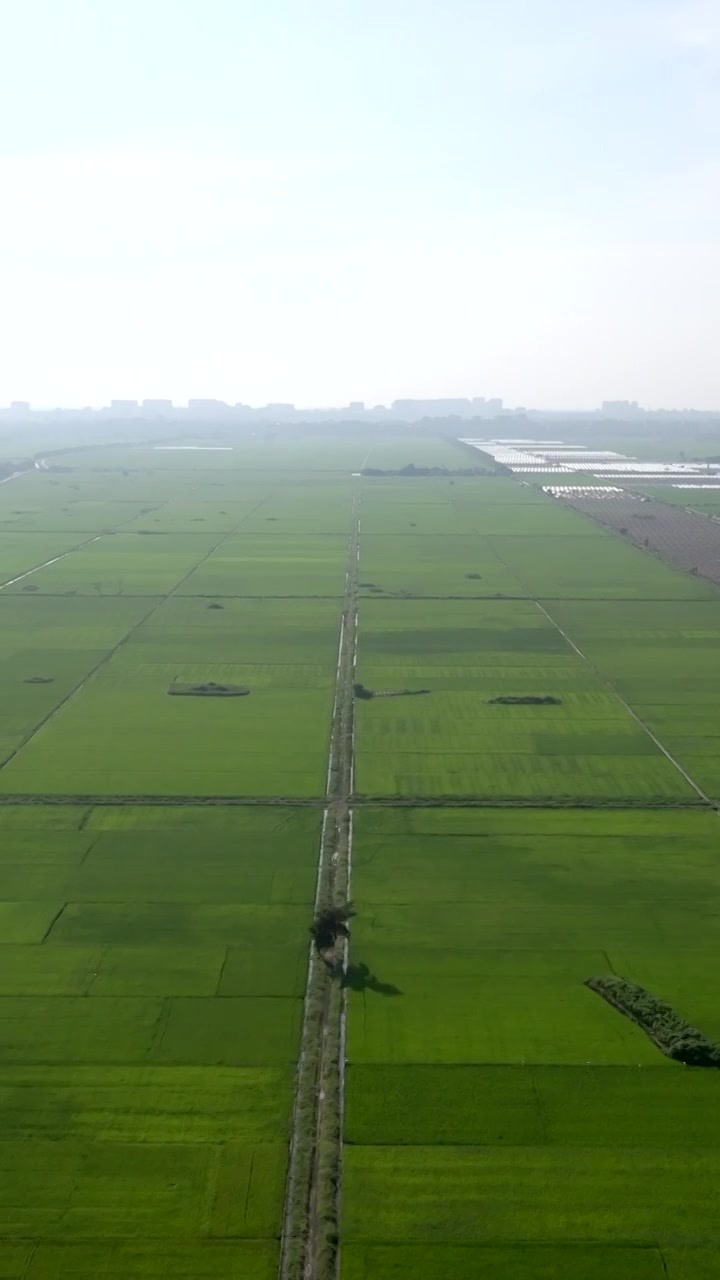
[[671, 1033]]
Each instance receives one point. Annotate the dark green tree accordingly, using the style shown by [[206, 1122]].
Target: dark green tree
[[331, 924]]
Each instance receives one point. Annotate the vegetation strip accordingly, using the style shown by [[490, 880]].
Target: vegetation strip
[[673, 1036], [309, 1241]]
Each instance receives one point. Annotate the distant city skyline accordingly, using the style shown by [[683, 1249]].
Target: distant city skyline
[[405, 409]]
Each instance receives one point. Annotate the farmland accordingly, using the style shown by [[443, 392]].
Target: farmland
[[150, 1002], [533, 805], [670, 530]]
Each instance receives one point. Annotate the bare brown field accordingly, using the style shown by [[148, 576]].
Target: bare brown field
[[683, 538]]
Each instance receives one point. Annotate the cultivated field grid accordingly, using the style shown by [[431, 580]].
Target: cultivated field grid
[[504, 714]]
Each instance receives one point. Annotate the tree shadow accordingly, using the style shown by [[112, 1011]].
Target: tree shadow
[[357, 977]]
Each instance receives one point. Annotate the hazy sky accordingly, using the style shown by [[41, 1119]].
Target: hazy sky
[[318, 200]]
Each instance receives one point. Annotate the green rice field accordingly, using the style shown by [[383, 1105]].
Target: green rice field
[[159, 861], [513, 1114]]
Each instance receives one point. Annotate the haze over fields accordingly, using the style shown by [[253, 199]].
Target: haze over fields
[[309, 201]]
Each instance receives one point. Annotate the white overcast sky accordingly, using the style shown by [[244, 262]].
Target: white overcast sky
[[323, 200]]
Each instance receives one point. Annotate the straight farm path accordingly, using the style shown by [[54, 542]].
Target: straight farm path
[[311, 1222]]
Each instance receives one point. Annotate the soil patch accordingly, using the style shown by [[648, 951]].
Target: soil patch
[[685, 539]]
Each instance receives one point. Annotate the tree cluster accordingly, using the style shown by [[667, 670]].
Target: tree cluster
[[671, 1033]]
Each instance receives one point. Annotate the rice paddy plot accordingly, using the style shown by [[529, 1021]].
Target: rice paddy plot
[[522, 1262], [427, 515], [122, 734], [479, 507], [460, 740], [479, 1062], [40, 624], [28, 698], [595, 568], [532, 1105], [496, 1020], [561, 927], [393, 450], [263, 632], [305, 510], [530, 1194], [531, 868], [187, 515], [430, 565], [143, 1260], [148, 1047], [123, 564], [641, 649], [21, 553], [249, 564], [78, 515]]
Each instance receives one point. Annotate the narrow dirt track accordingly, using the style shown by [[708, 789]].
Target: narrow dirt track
[[309, 1244]]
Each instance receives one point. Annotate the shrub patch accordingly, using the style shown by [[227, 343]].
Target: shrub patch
[[528, 700], [365, 694], [208, 690], [672, 1034]]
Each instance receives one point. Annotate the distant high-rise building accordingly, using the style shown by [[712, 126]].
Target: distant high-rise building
[[207, 406], [487, 407], [20, 406], [356, 406], [414, 409], [621, 408], [157, 406], [455, 407], [124, 407]]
